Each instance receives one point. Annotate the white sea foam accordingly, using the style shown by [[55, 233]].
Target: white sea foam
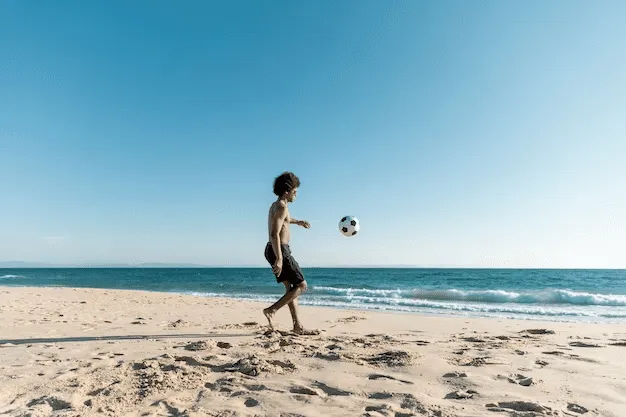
[[446, 307], [487, 296]]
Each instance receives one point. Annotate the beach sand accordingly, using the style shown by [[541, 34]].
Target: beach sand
[[92, 352]]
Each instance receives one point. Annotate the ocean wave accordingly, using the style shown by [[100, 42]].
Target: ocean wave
[[356, 291], [474, 309], [566, 297], [558, 312], [11, 276]]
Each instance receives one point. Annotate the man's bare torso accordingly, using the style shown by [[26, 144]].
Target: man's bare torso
[[284, 233]]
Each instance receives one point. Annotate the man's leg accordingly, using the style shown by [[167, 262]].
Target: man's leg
[[293, 309], [291, 294]]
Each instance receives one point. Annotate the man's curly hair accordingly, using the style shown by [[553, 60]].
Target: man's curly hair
[[285, 182]]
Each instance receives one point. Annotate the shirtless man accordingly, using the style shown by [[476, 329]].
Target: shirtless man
[[278, 254]]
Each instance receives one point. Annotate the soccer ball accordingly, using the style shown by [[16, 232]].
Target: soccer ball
[[349, 226]]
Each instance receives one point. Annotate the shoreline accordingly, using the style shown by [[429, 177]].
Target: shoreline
[[443, 313], [261, 304]]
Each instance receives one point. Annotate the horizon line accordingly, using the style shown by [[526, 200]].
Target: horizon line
[[158, 265]]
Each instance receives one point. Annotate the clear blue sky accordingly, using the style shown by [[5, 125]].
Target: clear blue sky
[[459, 133]]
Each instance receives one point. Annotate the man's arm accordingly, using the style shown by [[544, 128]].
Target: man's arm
[[302, 223], [278, 219]]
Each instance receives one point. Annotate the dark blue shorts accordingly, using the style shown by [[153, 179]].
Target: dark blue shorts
[[291, 270]]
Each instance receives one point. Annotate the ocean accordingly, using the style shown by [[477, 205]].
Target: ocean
[[545, 294]]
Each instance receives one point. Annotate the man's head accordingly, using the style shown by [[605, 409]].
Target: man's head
[[286, 186]]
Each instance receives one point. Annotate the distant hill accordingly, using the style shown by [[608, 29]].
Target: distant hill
[[21, 264], [26, 264]]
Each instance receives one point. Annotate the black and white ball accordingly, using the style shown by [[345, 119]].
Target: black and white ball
[[349, 226]]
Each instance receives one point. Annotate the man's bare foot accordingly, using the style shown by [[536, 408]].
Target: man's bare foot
[[304, 332], [269, 314]]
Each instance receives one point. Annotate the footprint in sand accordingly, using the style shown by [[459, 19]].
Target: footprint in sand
[[411, 403], [330, 356], [473, 339], [473, 362], [391, 359], [244, 325], [260, 387], [57, 404], [178, 323], [455, 374], [219, 413], [104, 390], [518, 379], [200, 345], [376, 377], [384, 409], [579, 409], [224, 385], [522, 406], [278, 333], [302, 390], [380, 395], [170, 409], [553, 352], [461, 395], [538, 331], [584, 345], [331, 390], [319, 389], [251, 402], [253, 365], [569, 356], [350, 319]]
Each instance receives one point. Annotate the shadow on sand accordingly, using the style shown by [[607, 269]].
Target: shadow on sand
[[126, 337]]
